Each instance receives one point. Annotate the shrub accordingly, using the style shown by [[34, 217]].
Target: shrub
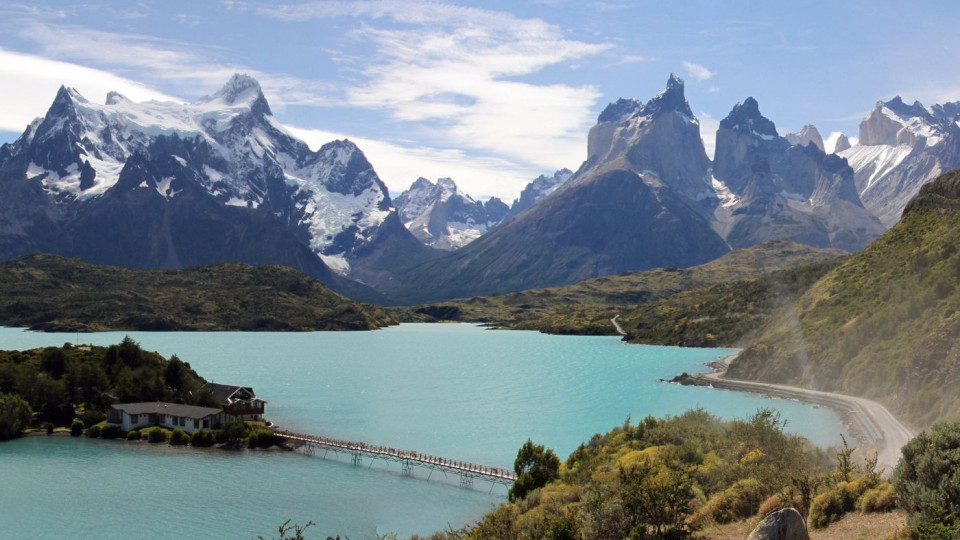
[[133, 435], [204, 437], [739, 501], [92, 417], [15, 415], [842, 498], [882, 498], [179, 437], [49, 427], [111, 431], [156, 435], [261, 438], [927, 478], [76, 428], [93, 431]]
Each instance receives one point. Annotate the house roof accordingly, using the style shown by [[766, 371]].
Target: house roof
[[227, 393], [159, 407]]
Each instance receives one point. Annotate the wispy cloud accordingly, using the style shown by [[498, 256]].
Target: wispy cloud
[[39, 78], [452, 70], [697, 71], [636, 59]]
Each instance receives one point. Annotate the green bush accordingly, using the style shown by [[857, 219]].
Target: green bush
[[133, 435], [927, 478], [76, 428], [93, 431], [111, 431], [261, 438], [15, 415], [204, 437], [739, 501], [842, 498], [882, 498], [179, 437], [48, 427], [156, 435]]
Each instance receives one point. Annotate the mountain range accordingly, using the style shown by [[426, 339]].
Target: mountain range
[[168, 185]]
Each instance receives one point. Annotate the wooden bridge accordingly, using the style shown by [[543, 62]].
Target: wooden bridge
[[406, 458]]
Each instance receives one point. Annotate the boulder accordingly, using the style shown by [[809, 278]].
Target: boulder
[[786, 524]]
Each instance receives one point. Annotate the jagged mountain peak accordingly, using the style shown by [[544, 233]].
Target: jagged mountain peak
[[670, 99], [620, 110], [746, 117], [240, 91], [808, 134], [115, 98]]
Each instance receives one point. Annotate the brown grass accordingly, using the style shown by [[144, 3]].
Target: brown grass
[[854, 526]]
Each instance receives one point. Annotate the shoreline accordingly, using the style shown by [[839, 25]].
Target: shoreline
[[870, 423]]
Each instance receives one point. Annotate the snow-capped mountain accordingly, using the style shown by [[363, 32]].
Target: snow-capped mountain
[[902, 147], [536, 190], [770, 188], [231, 148], [441, 216]]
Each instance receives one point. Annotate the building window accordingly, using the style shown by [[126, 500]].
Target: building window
[[183, 421]]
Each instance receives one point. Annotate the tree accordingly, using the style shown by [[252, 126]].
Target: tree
[[535, 466], [927, 478], [15, 416]]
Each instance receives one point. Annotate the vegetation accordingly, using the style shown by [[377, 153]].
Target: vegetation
[[884, 323], [535, 466], [179, 437], [59, 382], [15, 416], [588, 306], [668, 478], [927, 482], [48, 292], [203, 438]]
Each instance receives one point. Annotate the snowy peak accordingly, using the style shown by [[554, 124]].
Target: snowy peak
[[745, 118], [241, 90], [441, 216], [809, 134], [895, 123]]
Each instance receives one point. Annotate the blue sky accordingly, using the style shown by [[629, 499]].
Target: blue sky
[[490, 93]]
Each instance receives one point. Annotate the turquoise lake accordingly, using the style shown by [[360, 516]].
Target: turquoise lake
[[452, 390]]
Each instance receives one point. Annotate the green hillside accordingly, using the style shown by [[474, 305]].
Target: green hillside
[[48, 292], [885, 324], [587, 307]]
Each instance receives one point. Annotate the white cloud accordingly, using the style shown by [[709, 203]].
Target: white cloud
[[398, 166], [637, 59], [708, 132], [697, 71], [38, 79], [452, 75]]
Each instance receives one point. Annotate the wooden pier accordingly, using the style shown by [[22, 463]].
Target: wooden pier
[[406, 458]]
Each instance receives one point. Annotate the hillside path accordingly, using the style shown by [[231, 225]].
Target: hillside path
[[871, 423], [616, 325]]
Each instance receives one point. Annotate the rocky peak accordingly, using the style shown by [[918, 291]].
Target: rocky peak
[[809, 134], [746, 118], [670, 99], [620, 110], [843, 143]]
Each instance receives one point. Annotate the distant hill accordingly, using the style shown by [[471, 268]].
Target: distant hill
[[586, 307], [885, 324], [49, 292]]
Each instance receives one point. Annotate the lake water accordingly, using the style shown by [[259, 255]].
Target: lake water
[[453, 390]]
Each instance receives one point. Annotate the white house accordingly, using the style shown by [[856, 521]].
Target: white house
[[190, 418]]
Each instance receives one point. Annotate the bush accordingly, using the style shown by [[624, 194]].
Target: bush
[[15, 415], [76, 428], [261, 438], [93, 431], [156, 435], [739, 501], [133, 435], [842, 498], [882, 498], [49, 428], [92, 417], [927, 478], [204, 437], [111, 431], [179, 437]]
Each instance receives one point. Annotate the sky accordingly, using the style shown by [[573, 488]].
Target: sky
[[492, 93]]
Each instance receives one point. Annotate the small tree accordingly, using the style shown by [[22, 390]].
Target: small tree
[[76, 428], [535, 466]]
